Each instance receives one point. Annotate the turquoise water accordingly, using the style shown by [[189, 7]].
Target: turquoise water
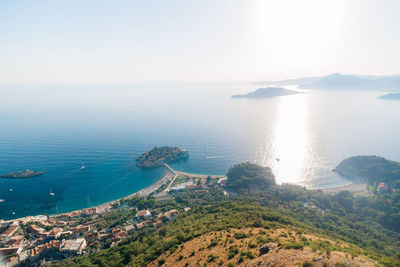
[[57, 129]]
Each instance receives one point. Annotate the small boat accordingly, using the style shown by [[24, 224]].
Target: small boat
[[10, 189], [83, 167], [2, 200], [51, 193], [13, 213]]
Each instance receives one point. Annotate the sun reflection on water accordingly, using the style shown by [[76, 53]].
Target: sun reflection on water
[[291, 140]]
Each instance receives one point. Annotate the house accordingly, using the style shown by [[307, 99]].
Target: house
[[91, 237], [10, 250], [55, 233], [4, 224], [161, 217], [9, 232], [143, 214], [140, 225], [222, 181], [129, 227], [39, 249], [171, 214], [37, 231], [382, 187], [80, 229], [200, 192], [73, 246], [105, 236]]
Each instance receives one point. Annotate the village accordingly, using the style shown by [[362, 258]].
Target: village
[[48, 238]]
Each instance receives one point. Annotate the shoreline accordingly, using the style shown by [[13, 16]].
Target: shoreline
[[169, 176], [166, 178]]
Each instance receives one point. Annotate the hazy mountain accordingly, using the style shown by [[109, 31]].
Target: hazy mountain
[[339, 81], [395, 96], [267, 93], [304, 80]]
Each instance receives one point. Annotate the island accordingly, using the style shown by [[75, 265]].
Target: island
[[393, 96], [268, 93], [158, 156], [22, 174]]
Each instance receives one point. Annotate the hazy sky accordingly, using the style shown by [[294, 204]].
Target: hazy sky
[[207, 40]]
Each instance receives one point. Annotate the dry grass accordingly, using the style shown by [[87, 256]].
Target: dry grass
[[218, 249]]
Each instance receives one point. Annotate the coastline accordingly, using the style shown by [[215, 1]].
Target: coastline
[[169, 176]]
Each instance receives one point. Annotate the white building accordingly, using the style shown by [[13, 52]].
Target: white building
[[73, 246]]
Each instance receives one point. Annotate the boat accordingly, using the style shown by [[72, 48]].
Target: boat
[[51, 193], [10, 189], [2, 200], [13, 213], [83, 167]]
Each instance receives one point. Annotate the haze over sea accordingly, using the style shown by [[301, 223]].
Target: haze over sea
[[59, 129]]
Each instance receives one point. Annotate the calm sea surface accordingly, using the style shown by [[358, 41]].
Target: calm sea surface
[[57, 130]]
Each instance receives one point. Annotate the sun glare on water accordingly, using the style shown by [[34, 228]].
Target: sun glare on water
[[291, 140]]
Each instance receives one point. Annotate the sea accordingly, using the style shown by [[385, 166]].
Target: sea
[[59, 129]]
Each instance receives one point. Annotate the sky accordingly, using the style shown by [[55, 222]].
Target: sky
[[95, 41]]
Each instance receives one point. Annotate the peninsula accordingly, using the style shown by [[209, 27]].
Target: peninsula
[[267, 93], [22, 174], [393, 96], [160, 155], [371, 169]]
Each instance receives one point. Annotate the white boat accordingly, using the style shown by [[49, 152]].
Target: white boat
[[51, 194], [13, 212], [83, 167], [10, 189], [2, 200]]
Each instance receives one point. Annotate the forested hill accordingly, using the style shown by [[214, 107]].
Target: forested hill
[[373, 169]]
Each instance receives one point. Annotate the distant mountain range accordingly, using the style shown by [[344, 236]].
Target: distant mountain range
[[267, 93], [339, 81]]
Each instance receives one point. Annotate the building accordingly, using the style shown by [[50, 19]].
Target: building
[[37, 231], [73, 246], [129, 227], [222, 181], [55, 233], [143, 214], [382, 187], [80, 229], [10, 251], [9, 232], [171, 214], [40, 249]]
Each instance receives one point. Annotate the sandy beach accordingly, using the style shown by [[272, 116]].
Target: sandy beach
[[352, 187]]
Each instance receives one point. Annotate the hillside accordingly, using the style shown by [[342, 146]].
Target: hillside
[[258, 246], [214, 226]]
